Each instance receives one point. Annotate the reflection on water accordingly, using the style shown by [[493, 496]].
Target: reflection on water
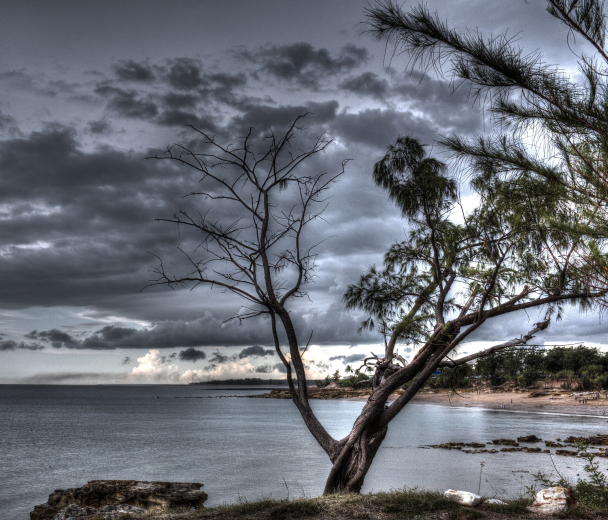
[[61, 436]]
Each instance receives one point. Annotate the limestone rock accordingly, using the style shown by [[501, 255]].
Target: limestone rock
[[150, 496], [463, 497], [551, 501], [75, 512], [494, 502]]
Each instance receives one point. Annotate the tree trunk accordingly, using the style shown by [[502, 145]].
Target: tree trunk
[[349, 470]]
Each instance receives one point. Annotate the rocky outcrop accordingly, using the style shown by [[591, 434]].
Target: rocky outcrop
[[505, 442], [149, 496], [529, 438], [526, 450], [552, 501], [74, 512], [595, 440], [463, 497], [566, 453], [318, 393], [457, 445]]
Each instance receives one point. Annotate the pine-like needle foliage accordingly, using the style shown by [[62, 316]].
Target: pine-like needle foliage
[[550, 130]]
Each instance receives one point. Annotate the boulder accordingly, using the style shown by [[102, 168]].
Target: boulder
[[149, 496], [463, 497], [551, 501]]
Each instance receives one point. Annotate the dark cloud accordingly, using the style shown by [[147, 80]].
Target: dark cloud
[[255, 351], [130, 70], [178, 100], [366, 84], [127, 103], [8, 125], [6, 345], [185, 74], [262, 117], [376, 127], [182, 118], [267, 369], [217, 358], [100, 127], [57, 338], [353, 358], [302, 64], [192, 354]]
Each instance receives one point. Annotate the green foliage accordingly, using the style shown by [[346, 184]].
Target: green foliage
[[582, 368], [456, 377], [357, 379], [590, 490], [549, 143], [322, 383]]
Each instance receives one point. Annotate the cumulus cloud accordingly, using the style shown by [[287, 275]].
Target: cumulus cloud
[[152, 368]]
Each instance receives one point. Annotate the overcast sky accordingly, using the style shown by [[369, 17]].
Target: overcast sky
[[92, 88]]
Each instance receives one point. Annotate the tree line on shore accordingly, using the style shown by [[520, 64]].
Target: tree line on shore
[[576, 368]]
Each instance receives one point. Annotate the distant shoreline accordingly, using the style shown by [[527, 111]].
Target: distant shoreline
[[570, 403]]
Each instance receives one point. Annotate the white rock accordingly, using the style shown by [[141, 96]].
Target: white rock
[[551, 501], [495, 501], [463, 497]]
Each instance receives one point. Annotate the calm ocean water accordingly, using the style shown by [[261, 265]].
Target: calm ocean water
[[54, 437]]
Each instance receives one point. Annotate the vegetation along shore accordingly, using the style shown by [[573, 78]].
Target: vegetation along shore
[[401, 504]]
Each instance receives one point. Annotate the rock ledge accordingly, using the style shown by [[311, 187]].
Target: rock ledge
[[149, 496]]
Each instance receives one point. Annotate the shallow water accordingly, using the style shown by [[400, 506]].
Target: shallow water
[[54, 437]]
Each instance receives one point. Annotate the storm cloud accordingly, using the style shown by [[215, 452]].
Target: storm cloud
[[79, 199], [303, 64], [192, 354]]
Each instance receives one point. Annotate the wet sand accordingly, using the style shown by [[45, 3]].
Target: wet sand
[[570, 403]]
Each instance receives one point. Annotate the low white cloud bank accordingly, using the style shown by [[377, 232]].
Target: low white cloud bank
[[154, 367]]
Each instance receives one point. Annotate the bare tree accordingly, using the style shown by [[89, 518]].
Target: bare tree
[[260, 254]]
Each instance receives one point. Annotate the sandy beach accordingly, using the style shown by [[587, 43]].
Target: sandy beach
[[575, 403]]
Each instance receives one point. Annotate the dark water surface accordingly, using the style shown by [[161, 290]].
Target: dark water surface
[[54, 437]]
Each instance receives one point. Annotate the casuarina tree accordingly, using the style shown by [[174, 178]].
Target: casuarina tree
[[457, 270], [548, 126]]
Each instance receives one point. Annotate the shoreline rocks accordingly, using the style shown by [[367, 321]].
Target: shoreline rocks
[[552, 501], [145, 495], [317, 393], [465, 498]]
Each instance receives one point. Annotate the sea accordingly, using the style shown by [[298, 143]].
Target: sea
[[243, 449]]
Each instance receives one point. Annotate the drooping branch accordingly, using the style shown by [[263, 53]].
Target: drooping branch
[[516, 342]]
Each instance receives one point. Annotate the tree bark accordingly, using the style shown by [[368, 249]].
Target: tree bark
[[349, 469]]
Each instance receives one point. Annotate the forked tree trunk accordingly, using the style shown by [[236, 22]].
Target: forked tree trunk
[[348, 472]]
